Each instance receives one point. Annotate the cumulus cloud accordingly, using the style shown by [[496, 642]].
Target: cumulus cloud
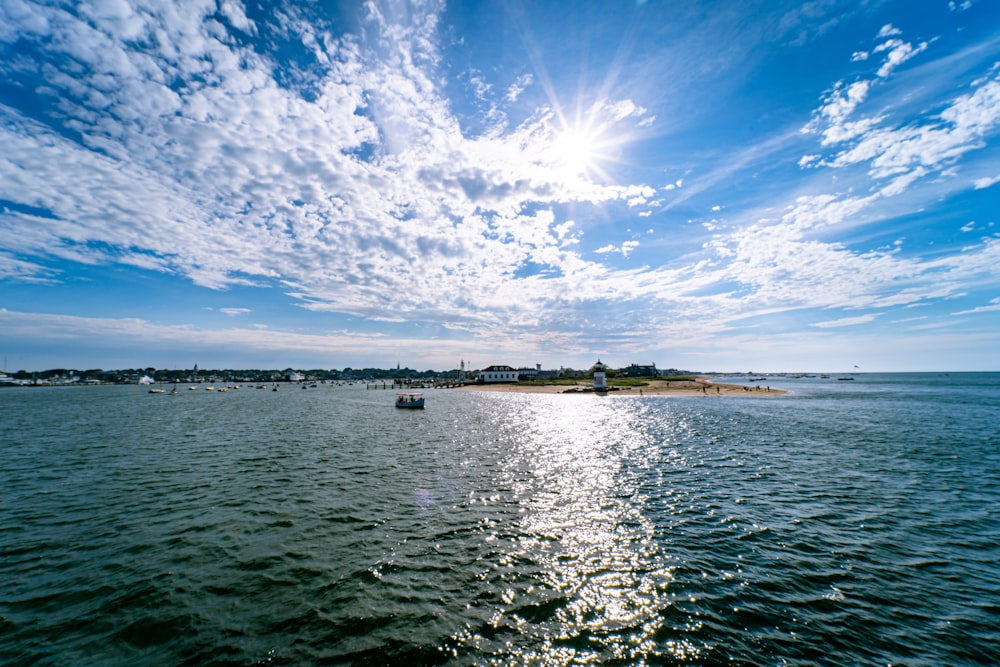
[[333, 167], [192, 158], [898, 52], [625, 248]]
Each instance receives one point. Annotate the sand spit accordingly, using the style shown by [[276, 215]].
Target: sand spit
[[696, 387]]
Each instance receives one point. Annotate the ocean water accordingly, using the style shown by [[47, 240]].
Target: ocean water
[[847, 523]]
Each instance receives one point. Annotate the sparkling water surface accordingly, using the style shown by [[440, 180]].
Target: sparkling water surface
[[847, 523]]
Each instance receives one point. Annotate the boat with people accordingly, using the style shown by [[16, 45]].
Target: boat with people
[[409, 399]]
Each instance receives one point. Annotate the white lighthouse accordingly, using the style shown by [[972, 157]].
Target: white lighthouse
[[600, 383]]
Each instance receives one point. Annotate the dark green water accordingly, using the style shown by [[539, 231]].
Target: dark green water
[[846, 524]]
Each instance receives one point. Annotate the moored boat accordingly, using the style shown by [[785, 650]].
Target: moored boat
[[409, 399]]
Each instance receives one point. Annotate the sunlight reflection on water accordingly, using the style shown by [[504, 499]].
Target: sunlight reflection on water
[[589, 580]]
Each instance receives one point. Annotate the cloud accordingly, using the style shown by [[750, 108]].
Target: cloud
[[14, 269], [993, 307], [520, 84], [258, 343], [888, 30], [840, 103], [243, 180], [843, 100], [628, 247], [960, 128], [845, 321], [233, 312], [983, 183], [333, 166], [908, 151], [898, 53], [625, 249]]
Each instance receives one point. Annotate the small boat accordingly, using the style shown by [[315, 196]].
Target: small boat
[[155, 391], [409, 399]]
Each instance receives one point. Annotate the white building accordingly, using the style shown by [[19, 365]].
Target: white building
[[498, 374]]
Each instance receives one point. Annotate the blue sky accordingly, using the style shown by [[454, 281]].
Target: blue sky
[[769, 185]]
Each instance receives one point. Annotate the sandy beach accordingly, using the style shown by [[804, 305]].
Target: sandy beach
[[699, 386]]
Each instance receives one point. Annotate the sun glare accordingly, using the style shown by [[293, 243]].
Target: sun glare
[[574, 151], [577, 154]]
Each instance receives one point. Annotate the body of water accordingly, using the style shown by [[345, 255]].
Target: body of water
[[846, 523]]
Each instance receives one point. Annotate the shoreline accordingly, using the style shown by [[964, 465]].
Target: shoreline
[[698, 387]]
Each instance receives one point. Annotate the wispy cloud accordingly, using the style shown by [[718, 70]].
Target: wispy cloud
[[993, 306], [907, 152], [845, 321]]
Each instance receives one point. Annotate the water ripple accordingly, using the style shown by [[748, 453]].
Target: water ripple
[[834, 526]]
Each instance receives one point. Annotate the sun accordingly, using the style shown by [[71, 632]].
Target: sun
[[574, 151]]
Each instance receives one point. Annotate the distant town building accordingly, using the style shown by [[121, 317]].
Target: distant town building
[[637, 370], [529, 373], [492, 374]]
